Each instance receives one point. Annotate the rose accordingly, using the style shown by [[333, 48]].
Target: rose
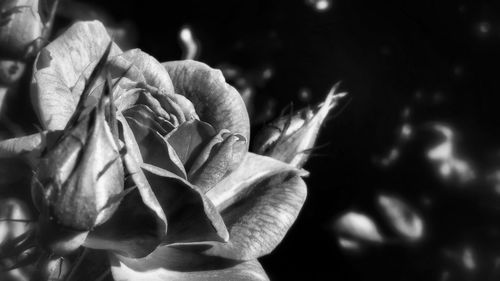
[[291, 138], [193, 175]]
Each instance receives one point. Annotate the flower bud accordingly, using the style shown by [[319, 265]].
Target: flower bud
[[20, 27], [290, 138], [78, 182]]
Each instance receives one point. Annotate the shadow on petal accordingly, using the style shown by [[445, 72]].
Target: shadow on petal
[[155, 150], [171, 264], [132, 230], [189, 139], [191, 216]]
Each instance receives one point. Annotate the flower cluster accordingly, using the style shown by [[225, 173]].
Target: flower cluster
[[145, 165]]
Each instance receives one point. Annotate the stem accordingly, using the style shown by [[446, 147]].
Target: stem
[[103, 275], [50, 21], [77, 263], [17, 220]]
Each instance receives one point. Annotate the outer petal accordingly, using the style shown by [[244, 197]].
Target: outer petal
[[170, 264], [132, 230], [215, 101], [132, 160], [58, 67], [152, 70], [191, 216], [215, 161], [264, 209]]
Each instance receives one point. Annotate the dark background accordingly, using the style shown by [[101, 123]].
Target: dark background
[[436, 59]]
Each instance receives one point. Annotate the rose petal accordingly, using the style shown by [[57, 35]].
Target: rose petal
[[191, 216], [218, 162], [132, 160], [189, 139], [215, 101], [144, 115], [21, 26], [153, 71], [254, 169], [155, 149], [59, 65], [170, 264], [258, 222], [124, 76], [132, 231]]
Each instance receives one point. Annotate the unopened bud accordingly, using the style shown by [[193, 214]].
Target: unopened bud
[[77, 181], [291, 138], [20, 27]]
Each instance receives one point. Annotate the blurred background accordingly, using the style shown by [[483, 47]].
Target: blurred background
[[405, 180]]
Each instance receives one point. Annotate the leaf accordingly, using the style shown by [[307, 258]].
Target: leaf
[[170, 264], [58, 67], [154, 73], [189, 139], [132, 231], [82, 172], [215, 101]]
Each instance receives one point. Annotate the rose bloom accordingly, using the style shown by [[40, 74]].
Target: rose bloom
[[194, 204]]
